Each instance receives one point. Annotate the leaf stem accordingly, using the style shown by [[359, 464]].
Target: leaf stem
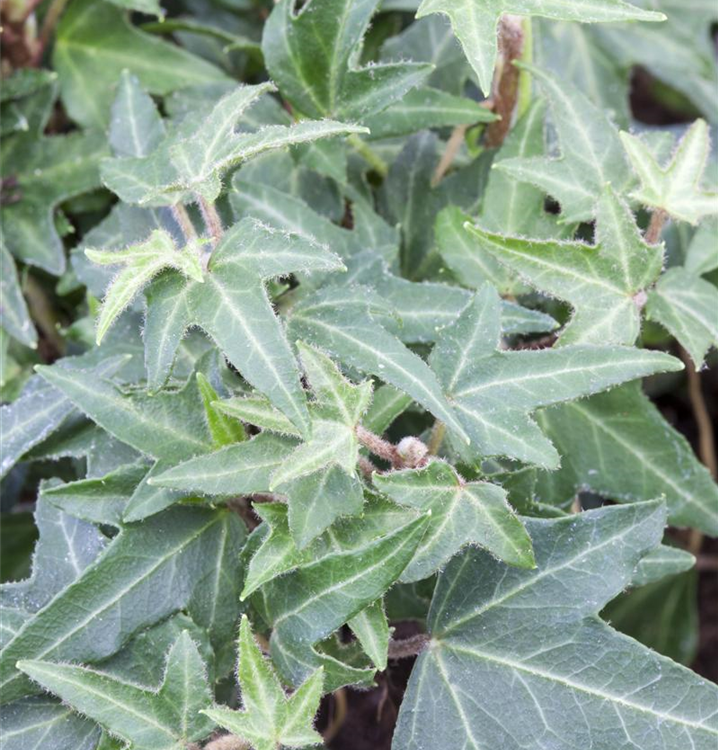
[[227, 742], [653, 233], [408, 647], [212, 220], [179, 212], [48, 26], [378, 446], [452, 148], [368, 154]]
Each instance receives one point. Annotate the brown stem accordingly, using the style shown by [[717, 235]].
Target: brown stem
[[228, 742], [366, 467], [339, 715], [506, 82], [653, 233], [707, 562], [211, 218], [179, 212], [378, 446], [48, 27], [42, 312], [452, 148], [408, 647]]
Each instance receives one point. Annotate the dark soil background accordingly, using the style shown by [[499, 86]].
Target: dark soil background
[[365, 719]]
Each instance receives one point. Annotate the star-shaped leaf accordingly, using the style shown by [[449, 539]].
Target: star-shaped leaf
[[461, 513], [591, 153], [39, 173], [312, 54], [495, 391], [270, 719], [675, 187], [475, 22], [193, 158], [141, 263], [604, 283], [167, 718], [508, 643]]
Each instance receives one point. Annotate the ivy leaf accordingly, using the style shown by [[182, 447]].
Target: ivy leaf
[[604, 284], [494, 391], [340, 322], [42, 173], [701, 256], [163, 719], [233, 308], [650, 459], [136, 128], [312, 55], [166, 560], [95, 43], [193, 158], [592, 154], [141, 263], [15, 316], [508, 640], [476, 23], [269, 718], [686, 305], [661, 562], [372, 630], [461, 513], [224, 430], [676, 187]]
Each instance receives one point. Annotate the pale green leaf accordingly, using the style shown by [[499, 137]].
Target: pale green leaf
[[224, 431], [14, 315], [163, 719], [269, 718], [257, 410], [702, 253], [461, 513], [495, 391], [675, 187], [475, 22], [510, 643], [372, 630], [661, 562]]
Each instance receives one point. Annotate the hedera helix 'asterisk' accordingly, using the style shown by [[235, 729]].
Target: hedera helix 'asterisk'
[[343, 354]]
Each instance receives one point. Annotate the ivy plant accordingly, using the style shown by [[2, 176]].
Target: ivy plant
[[346, 336]]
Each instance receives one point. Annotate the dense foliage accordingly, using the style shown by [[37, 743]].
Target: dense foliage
[[323, 321]]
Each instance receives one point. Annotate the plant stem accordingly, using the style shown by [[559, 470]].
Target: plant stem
[[42, 312], [524, 93], [227, 742], [653, 233], [212, 220], [185, 223], [48, 26], [408, 647], [452, 148], [378, 446], [506, 84], [438, 432], [368, 154], [339, 698]]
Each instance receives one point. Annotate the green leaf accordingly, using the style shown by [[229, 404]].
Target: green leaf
[[233, 308], [508, 642], [372, 630], [495, 391], [342, 324], [311, 602], [224, 431], [44, 172], [165, 560], [95, 43], [163, 719], [136, 128], [648, 458], [141, 263], [661, 562], [603, 283], [44, 722], [675, 187], [686, 305], [592, 154], [476, 23], [269, 718], [15, 316], [701, 256], [312, 54], [461, 513], [258, 411]]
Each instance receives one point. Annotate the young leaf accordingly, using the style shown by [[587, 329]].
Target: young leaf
[[591, 153], [476, 23], [312, 55], [372, 630], [167, 718], [15, 316], [224, 431], [141, 263], [686, 305], [649, 459], [508, 640], [675, 188], [495, 391], [461, 513], [601, 282], [164, 560], [269, 718]]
